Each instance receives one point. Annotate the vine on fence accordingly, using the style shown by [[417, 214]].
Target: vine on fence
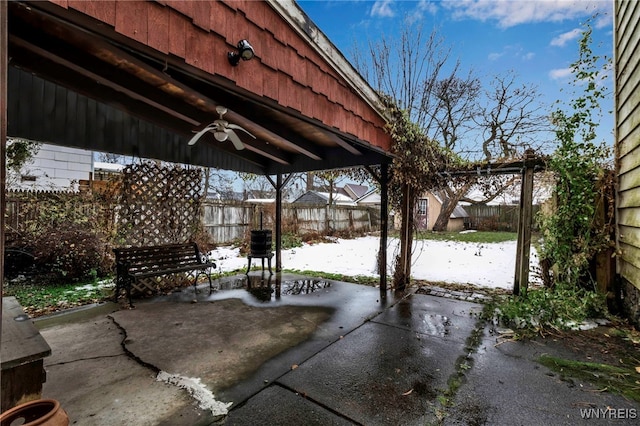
[[573, 235]]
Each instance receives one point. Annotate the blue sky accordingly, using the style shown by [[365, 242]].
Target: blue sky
[[537, 39]]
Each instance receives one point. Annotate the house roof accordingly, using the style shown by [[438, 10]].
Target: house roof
[[371, 197], [139, 78], [316, 197], [355, 191], [459, 212]]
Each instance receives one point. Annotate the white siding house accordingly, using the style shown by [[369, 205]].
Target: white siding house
[[627, 143], [54, 168]]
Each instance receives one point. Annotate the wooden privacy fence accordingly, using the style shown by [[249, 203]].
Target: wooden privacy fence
[[232, 221], [497, 218], [24, 207], [225, 221]]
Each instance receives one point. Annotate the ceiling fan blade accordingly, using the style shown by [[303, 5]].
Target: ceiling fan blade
[[235, 126], [235, 140], [198, 135]]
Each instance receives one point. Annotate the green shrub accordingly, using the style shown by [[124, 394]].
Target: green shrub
[[291, 240], [561, 308]]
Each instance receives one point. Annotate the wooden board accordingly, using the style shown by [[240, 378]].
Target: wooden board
[[22, 350]]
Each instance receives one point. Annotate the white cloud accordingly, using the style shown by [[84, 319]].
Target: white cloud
[[605, 20], [509, 13], [564, 38], [382, 8], [560, 73], [422, 7], [426, 6], [512, 52]]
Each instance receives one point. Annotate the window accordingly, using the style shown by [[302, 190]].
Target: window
[[422, 206]]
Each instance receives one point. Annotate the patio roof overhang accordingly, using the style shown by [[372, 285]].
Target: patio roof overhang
[[139, 78]]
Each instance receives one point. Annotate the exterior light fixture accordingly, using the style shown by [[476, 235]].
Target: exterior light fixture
[[245, 52]]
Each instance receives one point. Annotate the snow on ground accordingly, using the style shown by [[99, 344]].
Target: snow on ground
[[482, 264]]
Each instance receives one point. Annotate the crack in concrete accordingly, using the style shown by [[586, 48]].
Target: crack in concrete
[[192, 385], [127, 351]]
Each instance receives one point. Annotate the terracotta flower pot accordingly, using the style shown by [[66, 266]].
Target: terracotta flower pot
[[41, 412]]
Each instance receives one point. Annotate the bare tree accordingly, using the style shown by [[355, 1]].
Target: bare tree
[[479, 123], [469, 122], [498, 123], [218, 182], [109, 157]]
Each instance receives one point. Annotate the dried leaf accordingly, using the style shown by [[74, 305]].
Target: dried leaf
[[637, 369]]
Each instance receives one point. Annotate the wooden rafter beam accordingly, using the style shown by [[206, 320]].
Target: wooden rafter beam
[[120, 60], [23, 44]]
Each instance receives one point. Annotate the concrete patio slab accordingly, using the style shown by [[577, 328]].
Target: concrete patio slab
[[302, 351]]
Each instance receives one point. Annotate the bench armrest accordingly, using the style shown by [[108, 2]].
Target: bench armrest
[[204, 258]]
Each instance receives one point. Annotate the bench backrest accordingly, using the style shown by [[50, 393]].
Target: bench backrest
[[163, 257]]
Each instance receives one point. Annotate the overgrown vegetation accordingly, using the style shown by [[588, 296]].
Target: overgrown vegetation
[[68, 235], [561, 308], [573, 232]]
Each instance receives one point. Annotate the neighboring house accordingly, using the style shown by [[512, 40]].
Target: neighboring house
[[627, 141], [428, 208], [542, 192], [54, 168], [361, 195], [370, 199], [353, 191], [316, 197]]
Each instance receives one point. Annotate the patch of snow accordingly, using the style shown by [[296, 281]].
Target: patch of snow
[[481, 264], [198, 391]]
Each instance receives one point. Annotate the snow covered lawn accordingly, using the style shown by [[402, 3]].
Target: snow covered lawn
[[482, 264]]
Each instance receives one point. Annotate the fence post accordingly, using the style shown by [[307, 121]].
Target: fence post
[[523, 250], [384, 229]]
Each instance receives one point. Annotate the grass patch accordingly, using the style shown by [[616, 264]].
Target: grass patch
[[624, 381], [38, 299], [468, 237]]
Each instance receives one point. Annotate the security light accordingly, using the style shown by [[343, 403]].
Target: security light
[[245, 52]]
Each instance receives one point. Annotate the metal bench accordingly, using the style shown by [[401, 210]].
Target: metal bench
[[135, 263]]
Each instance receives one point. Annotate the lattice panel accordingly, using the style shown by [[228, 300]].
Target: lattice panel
[[159, 204], [154, 285]]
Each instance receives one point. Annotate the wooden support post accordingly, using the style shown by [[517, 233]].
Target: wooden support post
[[4, 24], [384, 228], [404, 265], [278, 185], [523, 250], [279, 222]]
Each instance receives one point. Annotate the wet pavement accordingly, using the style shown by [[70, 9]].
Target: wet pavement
[[295, 350]]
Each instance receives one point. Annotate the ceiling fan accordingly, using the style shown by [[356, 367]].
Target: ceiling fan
[[222, 130]]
